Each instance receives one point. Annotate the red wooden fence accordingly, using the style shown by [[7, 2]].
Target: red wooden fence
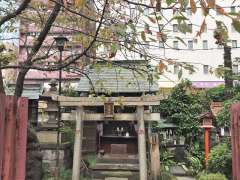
[[235, 131], [13, 137]]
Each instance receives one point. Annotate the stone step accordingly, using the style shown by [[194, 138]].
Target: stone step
[[114, 161], [116, 166], [107, 175]]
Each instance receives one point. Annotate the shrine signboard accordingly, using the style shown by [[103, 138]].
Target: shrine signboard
[[109, 109]]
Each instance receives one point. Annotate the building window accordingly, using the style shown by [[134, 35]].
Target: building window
[[175, 69], [132, 12], [234, 43], [147, 46], [235, 69], [175, 44], [190, 44], [161, 27], [175, 28], [161, 44], [190, 27], [205, 28], [176, 12], [189, 11], [217, 11], [233, 9], [233, 28], [205, 69], [146, 11], [205, 44], [219, 46]]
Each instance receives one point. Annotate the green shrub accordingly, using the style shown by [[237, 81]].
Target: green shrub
[[195, 164], [65, 174], [223, 117], [212, 176], [220, 160], [167, 157], [166, 176]]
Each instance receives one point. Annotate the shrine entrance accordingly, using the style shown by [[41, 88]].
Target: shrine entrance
[[119, 133], [117, 139]]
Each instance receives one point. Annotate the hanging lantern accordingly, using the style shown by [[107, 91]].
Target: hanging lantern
[[207, 120]]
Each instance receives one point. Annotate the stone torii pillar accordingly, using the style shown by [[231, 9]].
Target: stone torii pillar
[[142, 144], [77, 156]]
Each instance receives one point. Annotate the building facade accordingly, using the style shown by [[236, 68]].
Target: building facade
[[164, 40], [202, 53]]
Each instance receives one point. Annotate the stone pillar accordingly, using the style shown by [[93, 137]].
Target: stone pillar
[[142, 144], [77, 155], [155, 156]]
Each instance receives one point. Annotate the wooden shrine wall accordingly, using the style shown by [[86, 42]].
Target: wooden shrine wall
[[89, 143]]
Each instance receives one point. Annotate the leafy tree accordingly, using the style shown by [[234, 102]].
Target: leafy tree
[[223, 117], [183, 108]]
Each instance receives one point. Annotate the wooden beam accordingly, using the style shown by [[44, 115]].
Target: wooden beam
[[98, 101], [117, 117], [142, 144], [77, 154]]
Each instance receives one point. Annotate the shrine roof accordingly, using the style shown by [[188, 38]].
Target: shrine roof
[[31, 91], [118, 78]]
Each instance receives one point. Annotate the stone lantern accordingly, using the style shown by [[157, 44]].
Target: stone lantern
[[51, 107]]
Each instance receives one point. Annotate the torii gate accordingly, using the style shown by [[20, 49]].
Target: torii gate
[[140, 116]]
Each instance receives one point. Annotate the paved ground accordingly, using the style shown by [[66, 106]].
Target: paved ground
[[113, 178], [185, 178], [177, 171]]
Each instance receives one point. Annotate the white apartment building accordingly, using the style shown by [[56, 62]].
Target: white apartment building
[[202, 52]]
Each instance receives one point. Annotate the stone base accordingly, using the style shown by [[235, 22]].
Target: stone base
[[49, 155]]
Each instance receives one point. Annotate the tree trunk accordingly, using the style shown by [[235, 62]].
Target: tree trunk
[[228, 64], [2, 91], [34, 156], [19, 83]]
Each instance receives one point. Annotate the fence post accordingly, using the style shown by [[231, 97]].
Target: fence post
[[2, 130], [10, 137], [21, 139], [235, 139]]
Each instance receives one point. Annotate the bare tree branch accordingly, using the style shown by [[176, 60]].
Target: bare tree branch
[[43, 34], [14, 14]]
